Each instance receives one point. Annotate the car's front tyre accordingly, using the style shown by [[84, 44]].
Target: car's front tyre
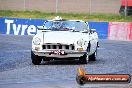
[[93, 56], [36, 60], [83, 59]]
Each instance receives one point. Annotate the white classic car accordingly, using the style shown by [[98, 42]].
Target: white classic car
[[60, 39]]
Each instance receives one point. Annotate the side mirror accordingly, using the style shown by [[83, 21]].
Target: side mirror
[[92, 30], [41, 28], [85, 31]]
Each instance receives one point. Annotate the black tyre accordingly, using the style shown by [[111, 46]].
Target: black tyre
[[36, 60], [83, 59], [92, 57], [81, 80]]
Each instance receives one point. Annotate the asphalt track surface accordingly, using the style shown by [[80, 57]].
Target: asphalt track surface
[[17, 71]]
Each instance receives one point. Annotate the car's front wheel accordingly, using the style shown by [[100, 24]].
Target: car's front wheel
[[93, 56], [36, 60], [83, 59]]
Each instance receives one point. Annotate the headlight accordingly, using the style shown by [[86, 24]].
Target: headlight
[[81, 42], [36, 41]]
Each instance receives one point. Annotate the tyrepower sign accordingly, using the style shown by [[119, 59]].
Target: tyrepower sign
[[27, 26], [19, 26]]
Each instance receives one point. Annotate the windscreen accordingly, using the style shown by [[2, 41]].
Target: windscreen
[[65, 25]]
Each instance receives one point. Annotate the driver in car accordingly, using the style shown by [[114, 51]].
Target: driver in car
[[57, 24]]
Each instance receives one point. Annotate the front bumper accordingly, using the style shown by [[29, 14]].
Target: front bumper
[[69, 53]]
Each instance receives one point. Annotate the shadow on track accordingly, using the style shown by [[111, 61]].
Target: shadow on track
[[69, 62], [61, 62]]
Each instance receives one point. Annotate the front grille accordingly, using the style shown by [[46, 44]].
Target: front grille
[[58, 46]]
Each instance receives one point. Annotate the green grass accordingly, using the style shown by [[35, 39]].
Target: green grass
[[76, 16]]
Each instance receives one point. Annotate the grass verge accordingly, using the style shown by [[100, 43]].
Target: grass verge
[[75, 16]]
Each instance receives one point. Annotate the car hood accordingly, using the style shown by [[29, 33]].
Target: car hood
[[64, 37]]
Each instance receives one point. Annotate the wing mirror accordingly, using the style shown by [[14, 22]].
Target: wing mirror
[[85, 31], [43, 29], [92, 30], [40, 28]]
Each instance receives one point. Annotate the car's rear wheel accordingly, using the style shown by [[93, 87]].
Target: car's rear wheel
[[36, 60]]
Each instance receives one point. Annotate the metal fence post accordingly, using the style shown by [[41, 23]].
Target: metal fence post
[[90, 5], [126, 7], [56, 6], [24, 5]]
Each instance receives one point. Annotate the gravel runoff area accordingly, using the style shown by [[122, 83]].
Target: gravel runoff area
[[17, 71]]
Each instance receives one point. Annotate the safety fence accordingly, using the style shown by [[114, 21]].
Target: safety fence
[[68, 6], [105, 30]]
